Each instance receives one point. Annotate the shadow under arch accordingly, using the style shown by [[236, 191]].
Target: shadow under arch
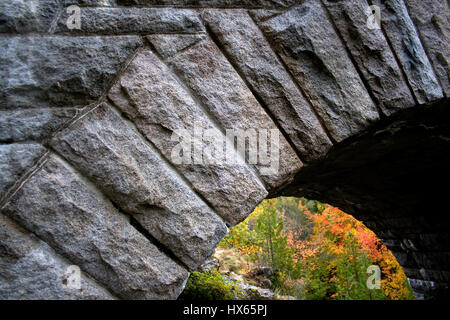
[[394, 178]]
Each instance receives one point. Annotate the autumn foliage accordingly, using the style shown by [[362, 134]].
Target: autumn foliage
[[351, 247], [317, 251]]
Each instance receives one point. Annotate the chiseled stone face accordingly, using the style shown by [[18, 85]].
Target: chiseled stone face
[[33, 124], [306, 41], [247, 49], [149, 94], [103, 147], [431, 19], [214, 3], [28, 16], [15, 159], [372, 55], [31, 269], [132, 21], [59, 71], [223, 93], [76, 220], [408, 47]]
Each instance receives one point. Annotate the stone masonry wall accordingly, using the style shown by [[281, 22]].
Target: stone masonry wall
[[87, 117]]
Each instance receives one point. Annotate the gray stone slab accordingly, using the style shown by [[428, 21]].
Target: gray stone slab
[[62, 209], [31, 270], [246, 47], [219, 88], [19, 16], [214, 3], [431, 18], [311, 49], [132, 21], [55, 71], [15, 159], [120, 162], [154, 100], [33, 124], [406, 44], [372, 55]]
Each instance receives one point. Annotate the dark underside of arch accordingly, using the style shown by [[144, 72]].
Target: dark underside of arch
[[394, 178]]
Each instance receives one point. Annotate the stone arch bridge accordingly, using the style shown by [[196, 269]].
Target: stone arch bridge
[[88, 112]]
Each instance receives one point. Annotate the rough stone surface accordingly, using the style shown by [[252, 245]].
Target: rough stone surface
[[372, 55], [295, 66], [431, 19], [28, 16], [224, 94], [133, 20], [96, 3], [105, 149], [309, 46], [30, 269], [260, 15], [214, 3], [14, 160], [169, 45], [79, 223], [59, 71], [153, 99], [252, 55], [33, 124], [406, 44]]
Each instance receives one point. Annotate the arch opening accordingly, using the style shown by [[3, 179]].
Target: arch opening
[[298, 249]]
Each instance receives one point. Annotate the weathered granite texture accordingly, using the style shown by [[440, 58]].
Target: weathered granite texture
[[159, 106], [307, 43], [52, 71], [14, 160], [252, 55], [79, 223], [221, 90], [409, 50], [30, 269], [133, 20], [104, 148], [90, 118], [431, 20], [371, 52]]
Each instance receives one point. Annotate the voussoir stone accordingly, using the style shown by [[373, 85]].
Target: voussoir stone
[[149, 94], [33, 124], [55, 71], [107, 150], [132, 20], [251, 54], [307, 43], [372, 55], [406, 44], [79, 223], [30, 269], [431, 18], [14, 160], [223, 93]]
